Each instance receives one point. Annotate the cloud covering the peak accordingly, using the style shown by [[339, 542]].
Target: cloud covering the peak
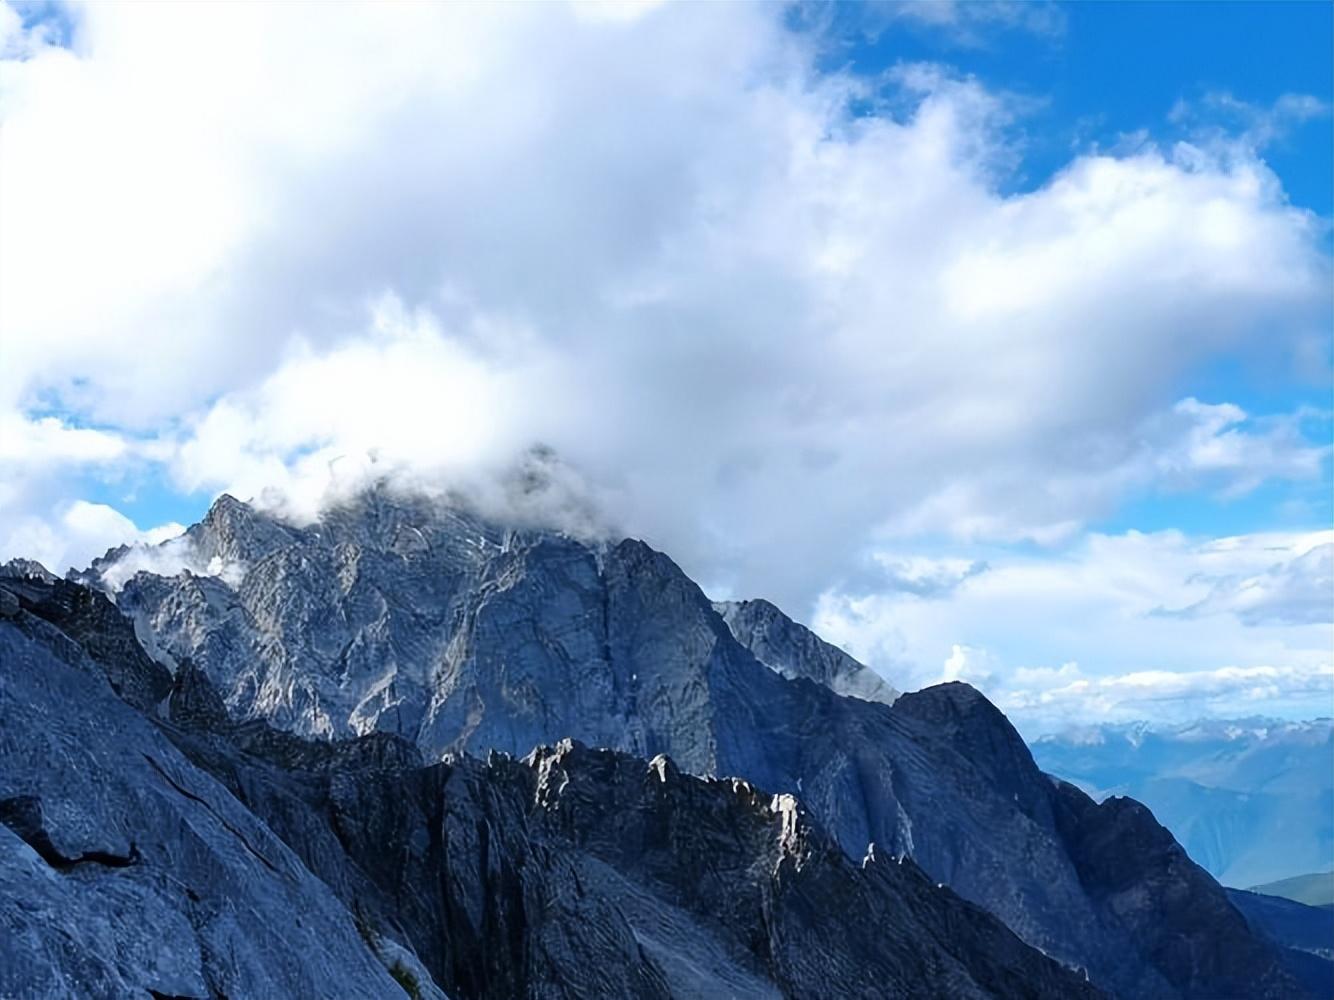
[[777, 316]]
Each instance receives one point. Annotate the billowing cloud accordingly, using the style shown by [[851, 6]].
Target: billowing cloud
[[965, 663], [169, 557], [75, 533], [1221, 444]]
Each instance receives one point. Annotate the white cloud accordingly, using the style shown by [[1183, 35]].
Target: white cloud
[[169, 556], [1219, 117], [968, 664], [973, 24], [925, 576], [767, 331], [75, 534], [1293, 591], [1190, 446], [51, 441], [1219, 443], [1055, 636], [1172, 695]]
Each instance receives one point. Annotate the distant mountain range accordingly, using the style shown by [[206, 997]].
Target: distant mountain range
[[1316, 889], [406, 750], [1252, 800]]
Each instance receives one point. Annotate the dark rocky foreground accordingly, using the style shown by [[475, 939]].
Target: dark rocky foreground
[[180, 824]]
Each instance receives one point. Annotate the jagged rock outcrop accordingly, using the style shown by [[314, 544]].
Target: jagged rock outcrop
[[400, 616], [180, 850], [795, 651], [18, 569]]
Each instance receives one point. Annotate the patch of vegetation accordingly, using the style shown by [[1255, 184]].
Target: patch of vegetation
[[405, 978]]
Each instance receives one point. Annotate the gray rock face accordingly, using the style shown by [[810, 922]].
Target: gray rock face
[[396, 616], [794, 651], [126, 871], [18, 569], [99, 630], [180, 852], [578, 872]]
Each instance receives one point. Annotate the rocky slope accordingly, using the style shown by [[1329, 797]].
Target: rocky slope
[[125, 871], [399, 616], [165, 850]]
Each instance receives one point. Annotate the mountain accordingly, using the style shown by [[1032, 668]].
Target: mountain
[[411, 623], [188, 855], [1252, 800], [1316, 889]]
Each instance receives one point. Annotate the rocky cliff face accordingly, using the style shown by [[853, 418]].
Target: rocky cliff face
[[184, 854], [399, 617]]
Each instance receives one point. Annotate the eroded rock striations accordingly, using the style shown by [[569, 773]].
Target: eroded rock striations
[[444, 635]]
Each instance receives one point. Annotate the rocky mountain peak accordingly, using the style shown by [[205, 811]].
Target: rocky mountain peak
[[236, 532]]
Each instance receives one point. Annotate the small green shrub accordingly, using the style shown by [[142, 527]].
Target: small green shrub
[[404, 977]]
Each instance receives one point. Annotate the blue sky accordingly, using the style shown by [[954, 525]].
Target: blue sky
[[830, 302], [1107, 69], [1097, 72]]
